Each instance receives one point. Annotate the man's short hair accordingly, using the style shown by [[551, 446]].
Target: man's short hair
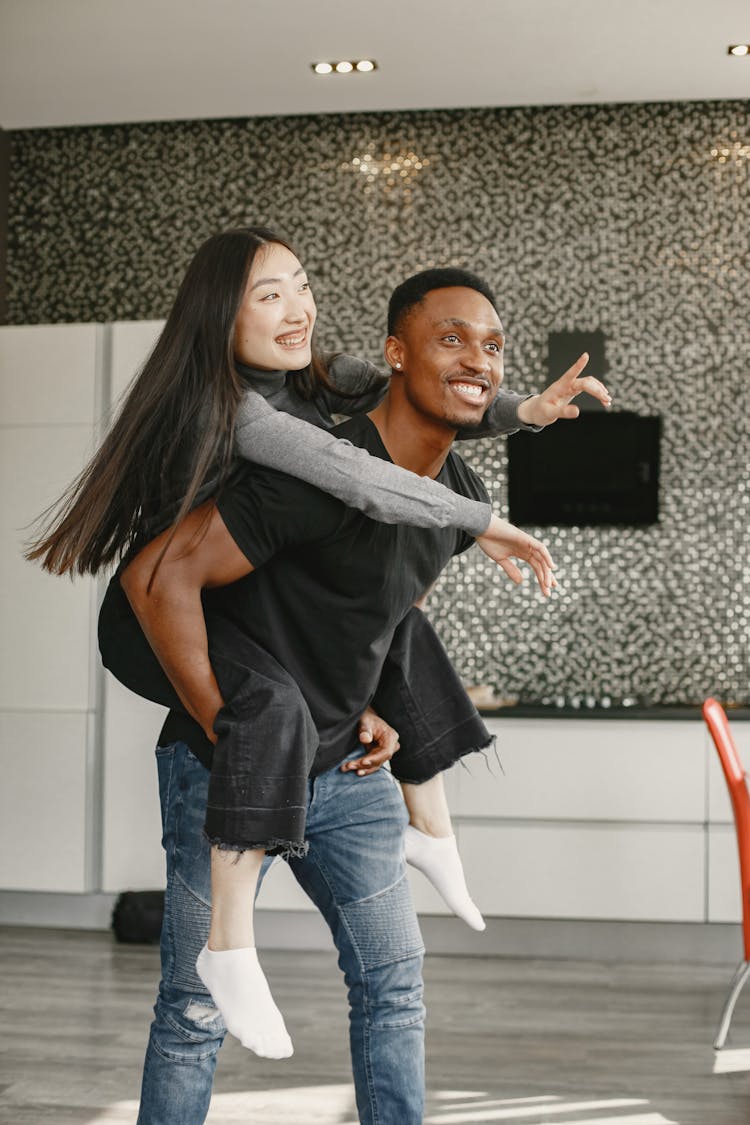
[[413, 291]]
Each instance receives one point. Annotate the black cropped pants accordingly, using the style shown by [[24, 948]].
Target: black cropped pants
[[266, 737]]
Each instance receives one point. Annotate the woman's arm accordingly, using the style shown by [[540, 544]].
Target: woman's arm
[[378, 488]]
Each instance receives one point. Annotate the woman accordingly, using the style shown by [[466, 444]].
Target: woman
[[236, 344]]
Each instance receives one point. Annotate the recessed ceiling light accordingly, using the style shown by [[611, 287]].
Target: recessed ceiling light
[[345, 66], [739, 49]]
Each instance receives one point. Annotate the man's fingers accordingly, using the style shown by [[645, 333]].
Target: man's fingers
[[354, 764], [388, 743], [371, 762]]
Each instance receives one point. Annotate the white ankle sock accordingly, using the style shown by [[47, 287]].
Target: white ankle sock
[[437, 857], [240, 991]]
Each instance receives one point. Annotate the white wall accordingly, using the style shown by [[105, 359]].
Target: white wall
[[49, 408], [132, 857]]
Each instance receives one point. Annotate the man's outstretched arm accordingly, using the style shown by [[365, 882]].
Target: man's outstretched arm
[[168, 603]]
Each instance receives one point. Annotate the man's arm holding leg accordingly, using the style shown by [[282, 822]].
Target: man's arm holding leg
[[168, 604]]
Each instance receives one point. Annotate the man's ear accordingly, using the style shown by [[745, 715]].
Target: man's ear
[[394, 353]]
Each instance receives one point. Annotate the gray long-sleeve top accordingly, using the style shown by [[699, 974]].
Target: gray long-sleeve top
[[276, 427]]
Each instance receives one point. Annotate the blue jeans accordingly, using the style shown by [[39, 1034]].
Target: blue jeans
[[354, 873]]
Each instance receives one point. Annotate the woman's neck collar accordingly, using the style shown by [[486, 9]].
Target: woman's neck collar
[[250, 372]]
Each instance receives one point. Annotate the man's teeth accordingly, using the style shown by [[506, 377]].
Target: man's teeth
[[470, 389]]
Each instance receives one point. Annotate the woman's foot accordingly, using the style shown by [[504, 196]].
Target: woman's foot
[[438, 859], [240, 991]]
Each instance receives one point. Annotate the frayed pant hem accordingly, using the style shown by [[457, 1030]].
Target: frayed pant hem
[[429, 763], [287, 849]]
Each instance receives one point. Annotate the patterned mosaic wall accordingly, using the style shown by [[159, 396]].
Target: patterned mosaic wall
[[631, 218]]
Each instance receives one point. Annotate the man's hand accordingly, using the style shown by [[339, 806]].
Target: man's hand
[[502, 541], [380, 735], [556, 402]]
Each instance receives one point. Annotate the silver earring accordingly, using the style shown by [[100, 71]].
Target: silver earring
[[398, 366]]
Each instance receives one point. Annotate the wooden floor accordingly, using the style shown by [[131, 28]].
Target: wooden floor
[[520, 1042]]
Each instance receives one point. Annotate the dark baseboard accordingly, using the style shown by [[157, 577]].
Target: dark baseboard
[[568, 939]]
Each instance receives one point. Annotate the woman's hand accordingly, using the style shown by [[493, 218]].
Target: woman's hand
[[503, 542], [378, 734], [557, 400]]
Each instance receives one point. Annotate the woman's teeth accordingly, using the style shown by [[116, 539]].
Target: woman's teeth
[[291, 341]]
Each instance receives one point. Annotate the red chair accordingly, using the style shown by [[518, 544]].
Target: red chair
[[731, 763]]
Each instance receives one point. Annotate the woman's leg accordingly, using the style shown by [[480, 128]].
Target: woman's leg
[[428, 806], [422, 697], [228, 962], [257, 801], [234, 880], [430, 846]]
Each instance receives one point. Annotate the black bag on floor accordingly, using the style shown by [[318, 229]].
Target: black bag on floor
[[137, 916]]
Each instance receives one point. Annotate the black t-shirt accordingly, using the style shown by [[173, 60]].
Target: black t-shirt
[[330, 584]]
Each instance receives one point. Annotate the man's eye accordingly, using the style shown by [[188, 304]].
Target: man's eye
[[493, 346], [451, 339]]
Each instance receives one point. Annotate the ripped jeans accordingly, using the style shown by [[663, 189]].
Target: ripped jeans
[[354, 873]]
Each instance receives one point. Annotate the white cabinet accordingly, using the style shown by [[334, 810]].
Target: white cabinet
[[48, 374], [574, 870], [724, 894], [43, 801], [587, 819], [130, 343], [132, 856], [49, 406], [587, 769]]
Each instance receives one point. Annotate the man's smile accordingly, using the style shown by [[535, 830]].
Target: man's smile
[[469, 388]]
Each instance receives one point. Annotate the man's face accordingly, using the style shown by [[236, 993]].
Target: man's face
[[450, 351]]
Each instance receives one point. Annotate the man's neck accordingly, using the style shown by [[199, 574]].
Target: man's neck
[[413, 441]]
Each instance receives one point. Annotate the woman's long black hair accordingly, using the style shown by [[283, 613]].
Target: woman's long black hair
[[176, 422]]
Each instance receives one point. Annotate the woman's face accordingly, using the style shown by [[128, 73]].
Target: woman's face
[[277, 315]]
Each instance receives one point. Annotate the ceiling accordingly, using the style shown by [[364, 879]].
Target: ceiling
[[82, 62]]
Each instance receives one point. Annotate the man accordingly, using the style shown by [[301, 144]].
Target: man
[[325, 609]]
